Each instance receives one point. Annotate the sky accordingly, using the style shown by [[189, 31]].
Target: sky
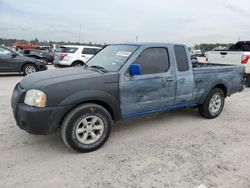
[[109, 21]]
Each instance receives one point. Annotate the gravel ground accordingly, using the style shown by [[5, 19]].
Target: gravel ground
[[169, 149]]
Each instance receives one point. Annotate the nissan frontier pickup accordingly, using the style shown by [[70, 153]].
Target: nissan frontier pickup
[[120, 82]]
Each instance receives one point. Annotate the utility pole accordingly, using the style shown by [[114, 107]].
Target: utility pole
[[136, 38]]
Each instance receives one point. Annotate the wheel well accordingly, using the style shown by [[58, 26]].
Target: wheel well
[[78, 61], [103, 104], [25, 65], [223, 88]]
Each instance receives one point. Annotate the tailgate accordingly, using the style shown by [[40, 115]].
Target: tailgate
[[225, 57]]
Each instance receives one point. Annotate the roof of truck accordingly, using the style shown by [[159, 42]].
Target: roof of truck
[[148, 43]]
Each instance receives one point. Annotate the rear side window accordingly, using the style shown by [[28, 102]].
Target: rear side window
[[90, 51], [181, 58], [154, 60], [240, 46], [245, 47], [67, 49]]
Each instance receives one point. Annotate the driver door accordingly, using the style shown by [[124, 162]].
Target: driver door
[[153, 90]]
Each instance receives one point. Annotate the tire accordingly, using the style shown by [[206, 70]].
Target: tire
[[29, 69], [77, 128], [213, 104], [77, 64], [248, 80]]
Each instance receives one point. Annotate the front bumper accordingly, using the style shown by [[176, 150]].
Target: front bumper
[[35, 120], [40, 121], [42, 67]]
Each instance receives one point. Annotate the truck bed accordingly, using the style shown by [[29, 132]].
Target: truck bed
[[213, 65], [205, 74]]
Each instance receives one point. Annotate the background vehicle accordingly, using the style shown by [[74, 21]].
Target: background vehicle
[[23, 45], [72, 55], [122, 81], [38, 54], [238, 53], [11, 61]]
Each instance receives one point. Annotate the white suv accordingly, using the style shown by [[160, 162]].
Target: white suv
[[73, 55]]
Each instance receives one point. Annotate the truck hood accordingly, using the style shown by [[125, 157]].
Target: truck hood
[[42, 79]]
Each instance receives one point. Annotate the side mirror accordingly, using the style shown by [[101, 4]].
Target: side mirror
[[135, 69]]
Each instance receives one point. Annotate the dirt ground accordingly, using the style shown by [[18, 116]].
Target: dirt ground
[[169, 149]]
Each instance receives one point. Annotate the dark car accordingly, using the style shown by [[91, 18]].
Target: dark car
[[38, 54], [11, 61]]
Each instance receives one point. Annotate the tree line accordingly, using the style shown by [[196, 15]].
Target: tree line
[[10, 42], [208, 47]]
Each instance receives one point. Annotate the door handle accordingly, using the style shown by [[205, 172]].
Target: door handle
[[223, 53]]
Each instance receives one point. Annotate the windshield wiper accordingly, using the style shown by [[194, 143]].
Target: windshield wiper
[[99, 68]]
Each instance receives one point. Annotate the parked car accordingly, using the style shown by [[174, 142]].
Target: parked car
[[11, 61], [38, 54], [238, 53], [75, 56], [24, 45], [122, 81]]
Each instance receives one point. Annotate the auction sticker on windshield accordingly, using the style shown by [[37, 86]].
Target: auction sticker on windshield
[[123, 53]]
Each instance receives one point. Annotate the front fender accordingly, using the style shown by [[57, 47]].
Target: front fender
[[93, 95]]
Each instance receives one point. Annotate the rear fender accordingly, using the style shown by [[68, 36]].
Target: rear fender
[[213, 85]]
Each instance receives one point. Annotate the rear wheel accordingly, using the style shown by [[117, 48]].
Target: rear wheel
[[86, 128], [213, 105], [29, 69], [77, 64]]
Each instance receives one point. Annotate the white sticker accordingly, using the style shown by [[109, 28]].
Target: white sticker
[[123, 53]]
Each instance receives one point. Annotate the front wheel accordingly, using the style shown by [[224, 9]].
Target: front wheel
[[29, 69], [77, 64], [213, 105], [86, 128]]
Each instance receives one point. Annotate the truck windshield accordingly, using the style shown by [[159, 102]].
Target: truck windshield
[[112, 57]]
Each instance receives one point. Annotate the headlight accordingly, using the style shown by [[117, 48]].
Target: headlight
[[35, 98]]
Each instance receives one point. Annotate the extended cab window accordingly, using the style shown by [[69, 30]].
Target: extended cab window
[[154, 60], [181, 58]]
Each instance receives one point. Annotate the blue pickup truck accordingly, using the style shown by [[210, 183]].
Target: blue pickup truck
[[122, 81]]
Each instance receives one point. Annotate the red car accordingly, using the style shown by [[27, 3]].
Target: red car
[[23, 46]]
